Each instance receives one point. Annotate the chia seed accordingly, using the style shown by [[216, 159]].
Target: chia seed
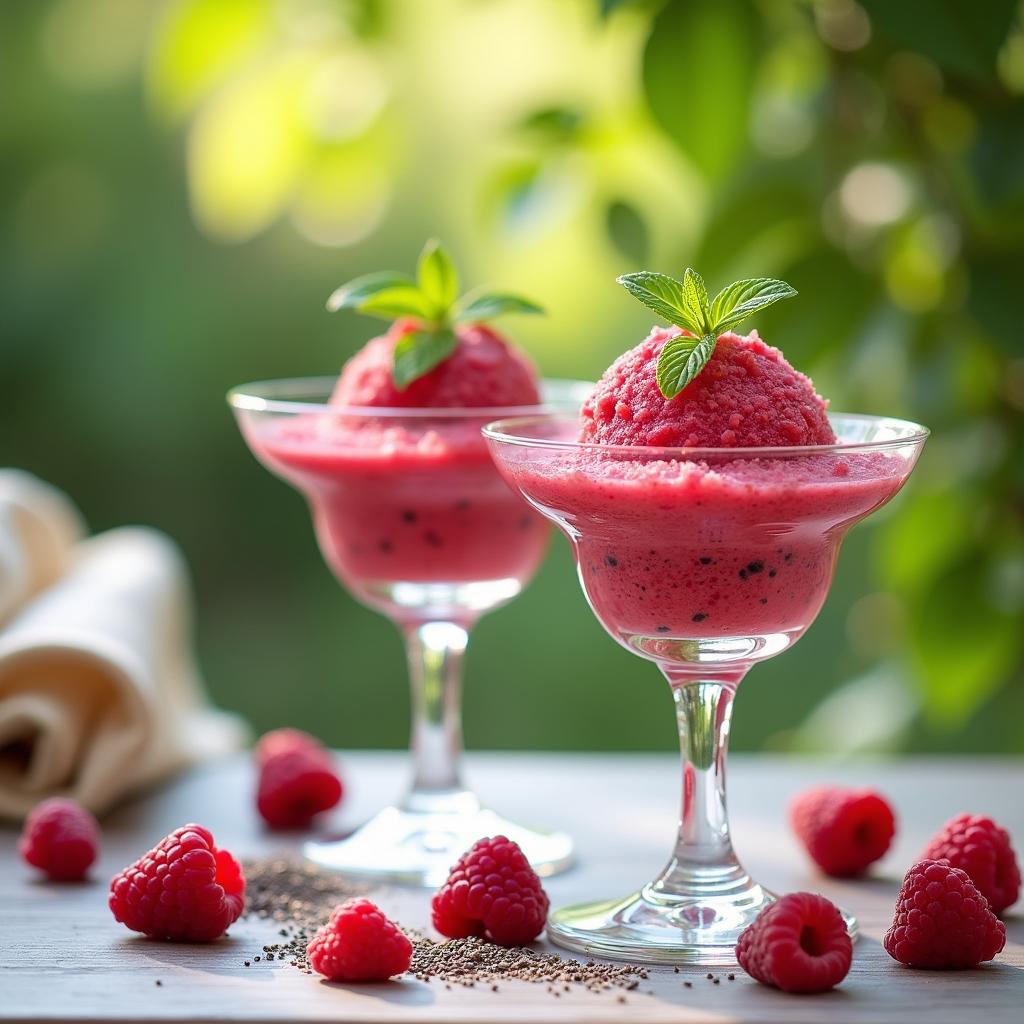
[[300, 897]]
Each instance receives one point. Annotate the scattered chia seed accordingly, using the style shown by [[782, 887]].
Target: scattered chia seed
[[730, 977], [688, 984], [710, 976], [743, 574], [755, 567], [700, 616], [706, 561], [611, 561], [467, 961], [300, 898], [296, 895], [662, 629], [159, 982]]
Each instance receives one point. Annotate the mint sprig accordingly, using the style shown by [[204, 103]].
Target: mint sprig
[[685, 304], [433, 299]]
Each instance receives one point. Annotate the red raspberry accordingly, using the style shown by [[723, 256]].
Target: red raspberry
[[61, 838], [843, 830], [942, 920], [978, 845], [184, 889], [359, 943], [798, 944], [491, 891], [278, 741], [295, 785]]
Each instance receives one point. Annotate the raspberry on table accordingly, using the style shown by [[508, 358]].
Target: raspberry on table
[[797, 944], [359, 943], [61, 838], [979, 846], [279, 741], [492, 891], [185, 889], [295, 785], [843, 830], [942, 920]]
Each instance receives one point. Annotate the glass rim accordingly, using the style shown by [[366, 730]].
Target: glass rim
[[259, 396], [502, 432]]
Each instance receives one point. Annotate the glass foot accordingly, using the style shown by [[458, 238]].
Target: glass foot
[[651, 927], [409, 847]]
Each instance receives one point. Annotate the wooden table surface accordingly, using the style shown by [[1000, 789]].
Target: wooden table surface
[[63, 957]]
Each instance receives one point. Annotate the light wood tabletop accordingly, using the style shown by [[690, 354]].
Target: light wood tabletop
[[63, 957]]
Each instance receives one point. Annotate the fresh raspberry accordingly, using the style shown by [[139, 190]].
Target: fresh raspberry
[[843, 830], [279, 741], [491, 891], [61, 838], [980, 847], [798, 944], [295, 785], [942, 920], [184, 889], [359, 943]]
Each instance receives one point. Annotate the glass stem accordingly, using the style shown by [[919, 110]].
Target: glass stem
[[435, 651], [703, 862]]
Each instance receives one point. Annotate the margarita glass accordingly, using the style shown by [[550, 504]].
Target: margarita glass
[[413, 518], [704, 561]]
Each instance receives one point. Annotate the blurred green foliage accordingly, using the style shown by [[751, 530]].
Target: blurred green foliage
[[184, 182]]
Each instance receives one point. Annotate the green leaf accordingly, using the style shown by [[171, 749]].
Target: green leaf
[[488, 305], [555, 124], [353, 294], [961, 36], [695, 301], [403, 300], [627, 231], [692, 41], [418, 353], [681, 360], [735, 303], [438, 279], [662, 294]]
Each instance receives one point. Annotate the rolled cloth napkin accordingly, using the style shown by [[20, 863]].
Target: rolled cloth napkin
[[99, 693], [39, 527]]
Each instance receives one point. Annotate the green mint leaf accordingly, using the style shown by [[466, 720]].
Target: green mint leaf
[[418, 353], [437, 278], [695, 301], [403, 300], [488, 305], [662, 294], [353, 294], [681, 360], [734, 304]]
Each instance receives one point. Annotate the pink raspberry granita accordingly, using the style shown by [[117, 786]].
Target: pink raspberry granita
[[746, 396], [483, 371]]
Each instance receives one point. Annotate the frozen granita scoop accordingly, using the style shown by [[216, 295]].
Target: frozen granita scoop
[[698, 384], [439, 351]]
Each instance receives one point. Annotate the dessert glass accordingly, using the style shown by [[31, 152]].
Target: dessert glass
[[412, 517], [704, 561]]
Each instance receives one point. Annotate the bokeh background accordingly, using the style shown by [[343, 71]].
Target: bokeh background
[[182, 183]]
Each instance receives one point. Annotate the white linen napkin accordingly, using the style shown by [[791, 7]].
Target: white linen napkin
[[99, 693], [38, 529]]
